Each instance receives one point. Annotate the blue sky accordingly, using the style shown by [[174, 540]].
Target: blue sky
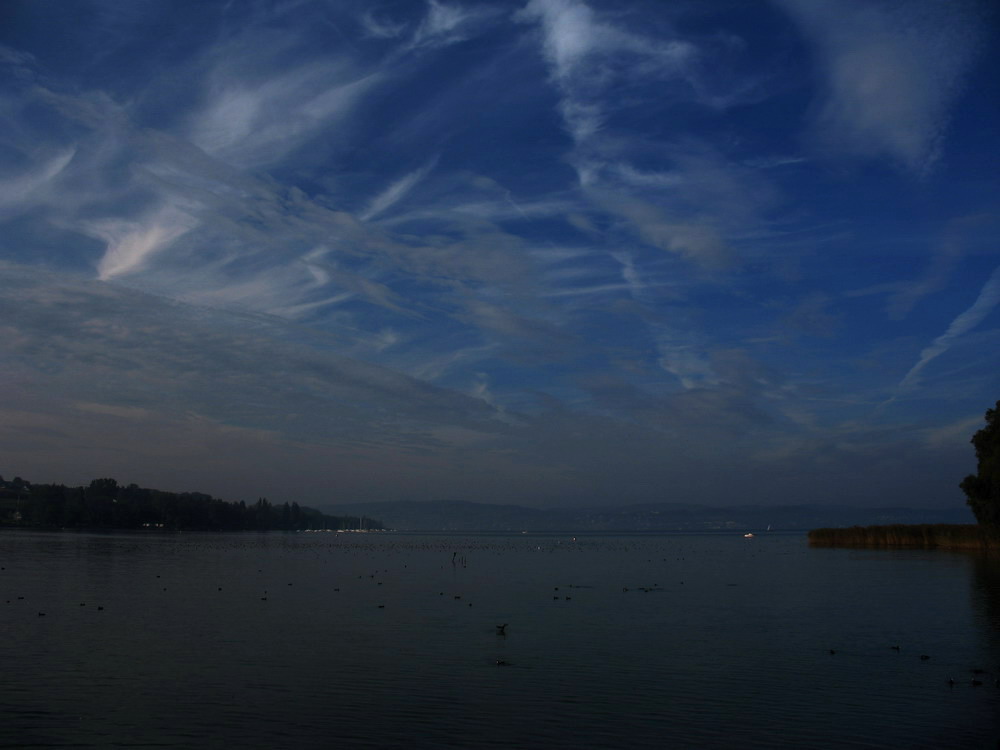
[[550, 252]]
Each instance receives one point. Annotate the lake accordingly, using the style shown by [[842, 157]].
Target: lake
[[384, 640]]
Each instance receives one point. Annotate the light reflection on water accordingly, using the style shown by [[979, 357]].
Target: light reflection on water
[[308, 640]]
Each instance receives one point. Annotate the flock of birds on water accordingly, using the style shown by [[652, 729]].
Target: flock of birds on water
[[977, 673], [459, 560]]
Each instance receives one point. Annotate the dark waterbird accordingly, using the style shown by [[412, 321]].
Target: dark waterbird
[[502, 629]]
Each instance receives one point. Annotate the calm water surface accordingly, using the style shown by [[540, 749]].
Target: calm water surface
[[381, 640]]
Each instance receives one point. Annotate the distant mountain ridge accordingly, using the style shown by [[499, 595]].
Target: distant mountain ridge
[[468, 516]]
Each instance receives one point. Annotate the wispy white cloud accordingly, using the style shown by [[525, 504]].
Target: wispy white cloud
[[132, 244], [693, 204], [255, 123], [446, 23], [581, 51], [481, 389], [385, 339], [396, 191], [17, 64], [311, 261], [695, 238], [647, 179], [11, 56], [441, 25], [436, 367], [17, 192], [892, 71], [574, 37], [462, 196], [688, 364], [904, 295], [234, 239], [989, 297], [380, 27], [591, 291]]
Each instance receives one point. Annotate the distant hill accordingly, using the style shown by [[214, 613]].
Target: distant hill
[[468, 516]]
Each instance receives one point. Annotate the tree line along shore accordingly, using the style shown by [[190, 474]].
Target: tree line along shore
[[982, 493], [105, 504]]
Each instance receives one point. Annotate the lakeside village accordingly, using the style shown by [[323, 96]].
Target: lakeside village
[[105, 504]]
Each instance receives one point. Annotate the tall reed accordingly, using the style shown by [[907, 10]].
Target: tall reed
[[955, 536]]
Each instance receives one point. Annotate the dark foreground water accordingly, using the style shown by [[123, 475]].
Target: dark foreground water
[[380, 640]]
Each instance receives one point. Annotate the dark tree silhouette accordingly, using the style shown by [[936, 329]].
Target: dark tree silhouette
[[105, 504], [982, 489]]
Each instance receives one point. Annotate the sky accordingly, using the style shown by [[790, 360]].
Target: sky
[[547, 252]]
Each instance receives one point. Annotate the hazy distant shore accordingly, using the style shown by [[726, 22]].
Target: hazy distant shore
[[944, 535]]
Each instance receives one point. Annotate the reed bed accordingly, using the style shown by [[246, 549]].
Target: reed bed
[[925, 535]]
